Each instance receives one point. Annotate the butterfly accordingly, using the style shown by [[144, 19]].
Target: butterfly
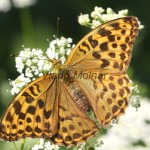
[[57, 108]]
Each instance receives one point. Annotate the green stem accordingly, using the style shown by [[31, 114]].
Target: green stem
[[27, 26], [15, 145], [22, 144]]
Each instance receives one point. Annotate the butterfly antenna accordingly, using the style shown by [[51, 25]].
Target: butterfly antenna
[[57, 33], [15, 56]]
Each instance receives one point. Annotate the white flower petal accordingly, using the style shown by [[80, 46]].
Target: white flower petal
[[83, 19]]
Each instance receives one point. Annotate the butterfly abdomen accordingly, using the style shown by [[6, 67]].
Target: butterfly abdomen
[[79, 96]]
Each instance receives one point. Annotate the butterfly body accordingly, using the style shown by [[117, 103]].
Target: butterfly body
[[94, 78]]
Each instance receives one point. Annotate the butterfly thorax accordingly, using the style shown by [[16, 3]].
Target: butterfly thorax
[[57, 66], [63, 75]]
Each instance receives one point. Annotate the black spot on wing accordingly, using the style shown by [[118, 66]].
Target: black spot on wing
[[96, 55]]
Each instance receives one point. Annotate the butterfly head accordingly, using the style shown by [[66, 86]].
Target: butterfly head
[[57, 65]]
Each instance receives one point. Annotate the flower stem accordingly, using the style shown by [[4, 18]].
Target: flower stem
[[15, 145], [22, 144]]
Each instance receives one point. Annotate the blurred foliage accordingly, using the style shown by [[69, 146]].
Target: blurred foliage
[[34, 25]]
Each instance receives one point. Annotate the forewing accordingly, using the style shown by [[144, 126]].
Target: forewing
[[108, 95], [107, 48], [75, 126], [33, 112]]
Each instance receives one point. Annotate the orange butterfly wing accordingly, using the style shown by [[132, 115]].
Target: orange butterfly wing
[[108, 96], [33, 112], [105, 52], [46, 109], [107, 48], [75, 126]]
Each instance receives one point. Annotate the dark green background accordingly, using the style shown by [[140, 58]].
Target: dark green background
[[33, 26]]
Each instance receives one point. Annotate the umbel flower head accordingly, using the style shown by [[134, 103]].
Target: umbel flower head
[[42, 145], [100, 16]]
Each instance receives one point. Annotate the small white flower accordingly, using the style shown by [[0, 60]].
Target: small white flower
[[99, 9], [36, 72], [62, 50], [51, 52], [135, 101], [134, 98], [140, 25], [5, 5], [25, 53], [95, 15], [50, 146], [40, 64], [19, 83], [68, 45], [59, 48], [95, 23], [68, 51], [106, 17], [39, 146], [110, 11], [69, 40], [45, 146], [19, 64], [63, 59], [59, 42], [47, 66], [123, 12], [134, 88], [41, 74], [35, 60], [83, 19], [28, 73], [28, 62]]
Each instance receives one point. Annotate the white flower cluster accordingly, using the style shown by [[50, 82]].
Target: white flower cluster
[[135, 101], [98, 17], [134, 98], [60, 48], [32, 63], [132, 132], [5, 5], [81, 147], [45, 146], [18, 83]]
